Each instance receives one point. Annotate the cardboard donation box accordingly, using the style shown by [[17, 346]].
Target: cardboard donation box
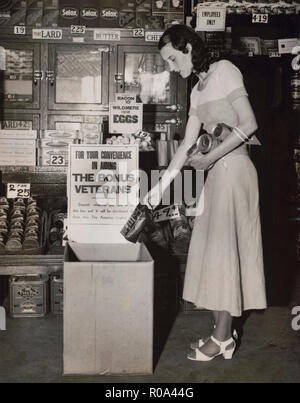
[[108, 282]]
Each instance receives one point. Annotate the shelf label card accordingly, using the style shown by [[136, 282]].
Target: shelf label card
[[103, 35], [21, 190], [125, 118], [47, 33], [19, 30], [57, 160], [78, 29], [210, 18], [153, 36], [166, 213], [138, 32], [260, 18]]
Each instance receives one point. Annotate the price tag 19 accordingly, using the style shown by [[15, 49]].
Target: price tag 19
[[19, 30], [57, 160], [166, 213], [21, 190], [260, 18], [138, 32]]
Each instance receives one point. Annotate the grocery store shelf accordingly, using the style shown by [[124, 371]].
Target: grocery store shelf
[[30, 264]]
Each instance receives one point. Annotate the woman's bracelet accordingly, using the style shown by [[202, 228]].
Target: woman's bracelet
[[238, 132]]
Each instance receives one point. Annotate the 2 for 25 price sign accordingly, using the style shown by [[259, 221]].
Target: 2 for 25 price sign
[[21, 190]]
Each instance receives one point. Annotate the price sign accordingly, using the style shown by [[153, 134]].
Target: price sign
[[57, 160], [21, 190], [260, 18], [138, 32], [167, 213], [78, 29], [19, 30]]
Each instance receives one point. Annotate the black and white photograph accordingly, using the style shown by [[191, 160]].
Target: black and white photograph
[[149, 194]]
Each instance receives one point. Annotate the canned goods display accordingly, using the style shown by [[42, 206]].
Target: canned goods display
[[28, 295], [20, 226]]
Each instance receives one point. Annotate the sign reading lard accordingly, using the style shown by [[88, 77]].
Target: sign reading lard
[[210, 18]]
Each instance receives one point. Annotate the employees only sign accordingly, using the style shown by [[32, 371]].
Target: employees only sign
[[210, 18], [125, 118]]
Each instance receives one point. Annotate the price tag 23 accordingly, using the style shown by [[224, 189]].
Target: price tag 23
[[15, 190], [57, 160]]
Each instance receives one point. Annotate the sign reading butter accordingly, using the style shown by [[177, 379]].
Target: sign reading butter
[[47, 33], [102, 190], [210, 18], [102, 35], [125, 118]]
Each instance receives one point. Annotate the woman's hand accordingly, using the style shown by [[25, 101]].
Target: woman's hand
[[153, 197], [200, 162]]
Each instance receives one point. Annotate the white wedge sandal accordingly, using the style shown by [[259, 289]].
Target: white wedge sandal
[[226, 352], [197, 344]]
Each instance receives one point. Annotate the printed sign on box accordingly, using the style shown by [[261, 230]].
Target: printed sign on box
[[125, 118], [210, 18], [102, 190]]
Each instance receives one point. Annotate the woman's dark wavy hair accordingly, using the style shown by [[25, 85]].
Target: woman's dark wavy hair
[[179, 36]]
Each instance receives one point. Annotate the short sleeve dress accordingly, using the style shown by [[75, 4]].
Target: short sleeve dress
[[225, 261]]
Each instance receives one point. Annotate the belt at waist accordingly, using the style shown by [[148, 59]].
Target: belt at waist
[[242, 150]]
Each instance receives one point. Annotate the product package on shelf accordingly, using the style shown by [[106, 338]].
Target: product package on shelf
[[18, 147], [22, 227], [57, 293], [55, 233], [142, 138], [28, 295], [53, 147]]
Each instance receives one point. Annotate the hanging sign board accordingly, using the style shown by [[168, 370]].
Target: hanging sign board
[[126, 98], [125, 118], [210, 18], [46, 33], [153, 36], [287, 45], [103, 35], [102, 191]]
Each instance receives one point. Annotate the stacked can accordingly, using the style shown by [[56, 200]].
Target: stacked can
[[29, 295], [20, 226], [57, 293]]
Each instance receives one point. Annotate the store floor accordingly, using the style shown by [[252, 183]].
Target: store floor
[[269, 351]]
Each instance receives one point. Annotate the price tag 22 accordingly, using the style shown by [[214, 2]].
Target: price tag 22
[[138, 32], [260, 18], [21, 190]]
